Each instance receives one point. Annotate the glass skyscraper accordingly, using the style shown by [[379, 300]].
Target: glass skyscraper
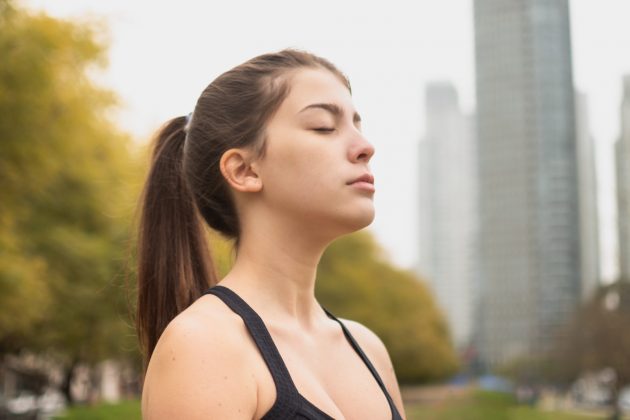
[[622, 152], [529, 221], [448, 216]]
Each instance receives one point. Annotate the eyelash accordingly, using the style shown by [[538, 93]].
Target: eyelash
[[324, 130]]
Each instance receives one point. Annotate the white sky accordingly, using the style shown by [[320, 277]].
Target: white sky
[[163, 54]]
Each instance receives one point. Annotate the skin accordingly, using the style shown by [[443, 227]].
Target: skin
[[292, 203]]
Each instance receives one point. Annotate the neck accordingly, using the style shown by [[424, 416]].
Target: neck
[[275, 271]]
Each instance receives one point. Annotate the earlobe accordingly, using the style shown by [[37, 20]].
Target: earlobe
[[238, 171]]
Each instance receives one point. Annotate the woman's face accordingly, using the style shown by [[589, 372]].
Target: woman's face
[[314, 152]]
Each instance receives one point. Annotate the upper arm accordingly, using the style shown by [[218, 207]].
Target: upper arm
[[196, 372], [376, 351]]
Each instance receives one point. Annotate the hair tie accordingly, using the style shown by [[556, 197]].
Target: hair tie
[[188, 119]]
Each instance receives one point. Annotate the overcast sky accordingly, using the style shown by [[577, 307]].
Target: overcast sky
[[163, 54]]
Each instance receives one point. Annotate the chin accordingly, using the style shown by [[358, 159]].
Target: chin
[[335, 222], [358, 221]]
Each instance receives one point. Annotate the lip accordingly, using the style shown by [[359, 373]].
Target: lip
[[364, 182], [365, 178]]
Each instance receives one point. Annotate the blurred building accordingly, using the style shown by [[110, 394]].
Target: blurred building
[[530, 269], [622, 151], [588, 200], [447, 209]]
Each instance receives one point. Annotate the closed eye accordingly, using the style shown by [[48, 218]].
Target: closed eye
[[324, 129]]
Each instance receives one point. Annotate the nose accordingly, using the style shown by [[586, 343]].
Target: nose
[[361, 149]]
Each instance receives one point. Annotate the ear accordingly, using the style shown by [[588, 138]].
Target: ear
[[237, 168]]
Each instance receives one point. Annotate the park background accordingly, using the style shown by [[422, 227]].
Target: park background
[[84, 84]]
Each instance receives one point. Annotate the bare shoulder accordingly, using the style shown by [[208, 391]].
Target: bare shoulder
[[199, 367], [375, 349], [368, 340]]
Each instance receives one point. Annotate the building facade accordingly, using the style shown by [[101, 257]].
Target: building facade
[[589, 227], [447, 209], [622, 152], [529, 224]]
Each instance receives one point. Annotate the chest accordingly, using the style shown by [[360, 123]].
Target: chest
[[331, 375]]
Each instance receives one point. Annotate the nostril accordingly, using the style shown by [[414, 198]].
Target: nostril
[[368, 152], [361, 149]]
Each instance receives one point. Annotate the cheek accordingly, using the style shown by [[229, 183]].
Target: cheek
[[308, 159], [303, 177], [304, 180]]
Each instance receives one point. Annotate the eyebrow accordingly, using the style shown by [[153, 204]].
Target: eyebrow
[[333, 109]]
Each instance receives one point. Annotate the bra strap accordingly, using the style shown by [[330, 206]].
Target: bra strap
[[286, 393], [365, 359]]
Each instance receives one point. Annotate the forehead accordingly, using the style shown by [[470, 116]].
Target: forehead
[[315, 86]]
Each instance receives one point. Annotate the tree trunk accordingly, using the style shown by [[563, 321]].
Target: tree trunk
[[616, 410], [67, 382]]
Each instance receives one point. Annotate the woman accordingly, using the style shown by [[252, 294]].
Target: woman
[[273, 157]]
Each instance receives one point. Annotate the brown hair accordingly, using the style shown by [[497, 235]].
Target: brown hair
[[185, 186]]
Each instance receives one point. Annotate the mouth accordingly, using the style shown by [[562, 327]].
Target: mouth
[[364, 182], [366, 178]]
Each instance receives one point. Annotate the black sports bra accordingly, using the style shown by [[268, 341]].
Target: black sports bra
[[289, 404]]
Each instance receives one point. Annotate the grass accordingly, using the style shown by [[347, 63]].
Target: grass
[[126, 410], [478, 406], [482, 405]]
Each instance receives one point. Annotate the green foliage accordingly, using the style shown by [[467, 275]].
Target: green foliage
[[22, 285], [66, 198], [355, 282], [222, 252]]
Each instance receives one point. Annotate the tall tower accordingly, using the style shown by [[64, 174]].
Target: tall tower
[[622, 151], [528, 177], [448, 209], [589, 229]]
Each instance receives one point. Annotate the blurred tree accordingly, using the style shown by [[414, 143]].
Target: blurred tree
[[598, 339], [356, 282], [65, 174], [68, 185]]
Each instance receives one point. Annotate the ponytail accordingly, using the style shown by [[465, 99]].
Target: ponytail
[[174, 263]]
